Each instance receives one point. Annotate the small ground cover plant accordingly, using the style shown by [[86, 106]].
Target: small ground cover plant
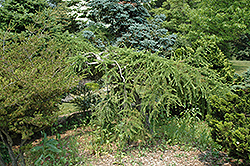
[[55, 152]]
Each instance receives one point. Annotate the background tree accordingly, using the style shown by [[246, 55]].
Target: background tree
[[21, 13], [194, 19], [176, 12], [128, 24], [221, 17], [119, 14]]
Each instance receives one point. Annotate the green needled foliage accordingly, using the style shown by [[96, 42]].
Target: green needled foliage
[[229, 119], [32, 79], [21, 13], [204, 53], [143, 88], [128, 25]]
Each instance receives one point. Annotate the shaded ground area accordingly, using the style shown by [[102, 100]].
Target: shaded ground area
[[151, 156], [157, 155]]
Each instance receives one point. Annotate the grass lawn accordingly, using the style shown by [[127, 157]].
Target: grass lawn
[[240, 66], [67, 108]]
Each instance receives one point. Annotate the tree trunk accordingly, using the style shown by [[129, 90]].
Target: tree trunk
[[2, 161], [8, 143]]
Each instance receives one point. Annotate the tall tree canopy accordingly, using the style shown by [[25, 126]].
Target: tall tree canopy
[[227, 21]]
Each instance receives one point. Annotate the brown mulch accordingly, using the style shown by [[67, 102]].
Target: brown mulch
[[172, 156]]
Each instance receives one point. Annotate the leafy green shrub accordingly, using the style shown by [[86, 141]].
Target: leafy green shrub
[[228, 21], [229, 119], [55, 152], [229, 26], [177, 14], [32, 79], [142, 89]]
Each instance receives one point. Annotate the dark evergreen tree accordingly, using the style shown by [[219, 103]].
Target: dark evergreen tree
[[20, 12]]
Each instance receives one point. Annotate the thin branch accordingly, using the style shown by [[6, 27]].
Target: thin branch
[[2, 163], [15, 103], [6, 62], [21, 153], [96, 55], [91, 53], [9, 140], [29, 57], [92, 63], [120, 71], [4, 41], [9, 146], [9, 84], [57, 70], [107, 84], [11, 70]]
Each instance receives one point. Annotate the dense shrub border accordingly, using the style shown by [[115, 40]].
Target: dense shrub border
[[230, 121]]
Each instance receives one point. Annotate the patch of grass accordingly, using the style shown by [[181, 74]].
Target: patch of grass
[[67, 108], [240, 66], [70, 122], [187, 131]]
